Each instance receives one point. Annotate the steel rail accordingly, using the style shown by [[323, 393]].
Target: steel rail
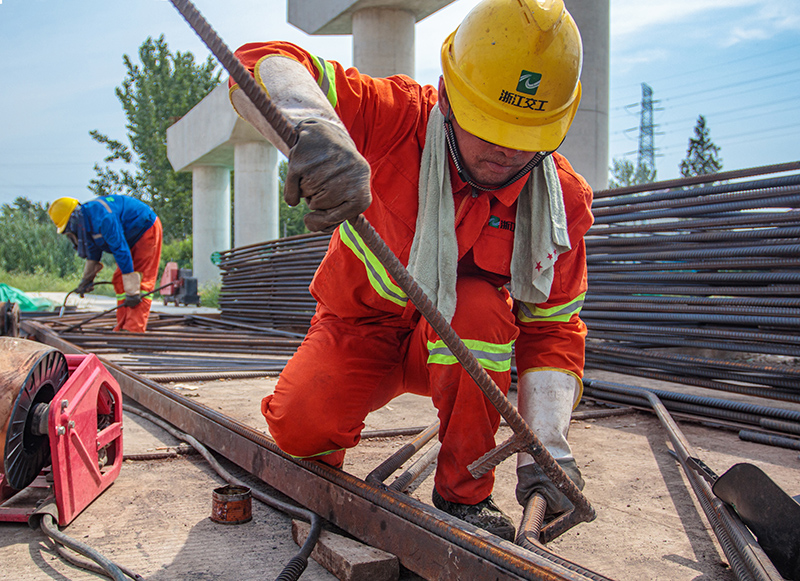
[[782, 376], [427, 541], [596, 239], [707, 277], [692, 380], [672, 193], [754, 411], [622, 302], [702, 179], [754, 337], [695, 202], [643, 340], [783, 323], [611, 265], [787, 290], [705, 252], [703, 368], [706, 415], [700, 209], [747, 559], [744, 220]]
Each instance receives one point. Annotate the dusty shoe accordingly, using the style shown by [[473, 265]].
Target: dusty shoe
[[485, 515]]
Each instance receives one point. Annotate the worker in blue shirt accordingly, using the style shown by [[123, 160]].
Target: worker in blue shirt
[[129, 230]]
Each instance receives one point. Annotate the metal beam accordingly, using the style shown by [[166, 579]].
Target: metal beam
[[427, 541]]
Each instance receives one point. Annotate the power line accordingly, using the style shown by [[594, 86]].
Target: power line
[[719, 66]]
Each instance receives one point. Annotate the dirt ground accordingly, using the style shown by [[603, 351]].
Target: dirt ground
[[154, 519]]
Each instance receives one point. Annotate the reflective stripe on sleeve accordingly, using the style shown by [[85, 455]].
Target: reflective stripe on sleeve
[[327, 78], [376, 273], [492, 356], [530, 313]]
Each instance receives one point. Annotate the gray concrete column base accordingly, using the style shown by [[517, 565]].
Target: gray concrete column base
[[255, 186], [383, 41], [211, 219]]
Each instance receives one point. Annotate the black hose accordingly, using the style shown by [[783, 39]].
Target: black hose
[[298, 563], [90, 565], [110, 569]]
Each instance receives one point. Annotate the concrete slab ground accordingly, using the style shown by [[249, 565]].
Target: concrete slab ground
[[155, 518]]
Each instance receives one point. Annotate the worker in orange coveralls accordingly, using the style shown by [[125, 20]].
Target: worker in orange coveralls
[[467, 192], [129, 230]]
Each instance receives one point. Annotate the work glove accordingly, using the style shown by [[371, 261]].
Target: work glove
[[546, 399], [327, 170], [131, 284], [532, 479], [90, 270]]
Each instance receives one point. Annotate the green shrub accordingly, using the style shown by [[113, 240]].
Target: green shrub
[[179, 251], [209, 295], [27, 246]]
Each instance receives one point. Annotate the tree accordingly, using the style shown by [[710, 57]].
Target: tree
[[291, 218], [623, 173], [702, 156], [154, 95], [30, 244]]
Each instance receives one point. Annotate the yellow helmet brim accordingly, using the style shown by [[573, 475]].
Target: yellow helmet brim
[[60, 211]]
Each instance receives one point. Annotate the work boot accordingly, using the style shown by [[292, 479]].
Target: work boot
[[485, 515], [531, 478]]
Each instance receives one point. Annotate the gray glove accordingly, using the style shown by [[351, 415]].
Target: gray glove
[[131, 284], [326, 168], [531, 478], [132, 300], [90, 270]]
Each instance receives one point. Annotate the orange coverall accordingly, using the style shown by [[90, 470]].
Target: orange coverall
[[146, 254], [367, 343]]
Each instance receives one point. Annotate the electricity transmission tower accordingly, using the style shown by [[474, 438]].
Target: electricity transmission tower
[[647, 150]]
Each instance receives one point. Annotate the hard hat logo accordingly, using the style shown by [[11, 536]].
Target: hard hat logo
[[529, 82], [492, 93]]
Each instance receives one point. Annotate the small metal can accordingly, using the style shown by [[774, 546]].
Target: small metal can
[[231, 505]]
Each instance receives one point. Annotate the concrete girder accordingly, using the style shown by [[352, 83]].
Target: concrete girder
[[383, 30], [210, 140], [336, 16]]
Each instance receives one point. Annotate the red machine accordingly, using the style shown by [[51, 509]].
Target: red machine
[[60, 430], [184, 286]]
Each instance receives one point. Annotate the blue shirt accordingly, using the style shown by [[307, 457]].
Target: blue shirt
[[114, 224]]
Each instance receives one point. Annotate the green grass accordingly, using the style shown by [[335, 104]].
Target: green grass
[[45, 282]]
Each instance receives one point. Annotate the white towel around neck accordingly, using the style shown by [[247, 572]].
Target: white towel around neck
[[540, 233]]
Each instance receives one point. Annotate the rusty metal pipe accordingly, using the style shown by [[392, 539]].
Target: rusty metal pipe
[[746, 557], [393, 462]]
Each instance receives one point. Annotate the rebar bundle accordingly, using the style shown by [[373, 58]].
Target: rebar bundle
[[267, 284], [703, 263], [711, 263]]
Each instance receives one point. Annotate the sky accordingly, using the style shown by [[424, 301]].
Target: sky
[[737, 62]]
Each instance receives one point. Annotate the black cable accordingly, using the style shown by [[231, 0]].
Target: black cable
[[298, 563], [110, 569], [90, 565]]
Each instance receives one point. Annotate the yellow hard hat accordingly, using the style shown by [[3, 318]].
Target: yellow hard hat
[[60, 211], [512, 70]]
